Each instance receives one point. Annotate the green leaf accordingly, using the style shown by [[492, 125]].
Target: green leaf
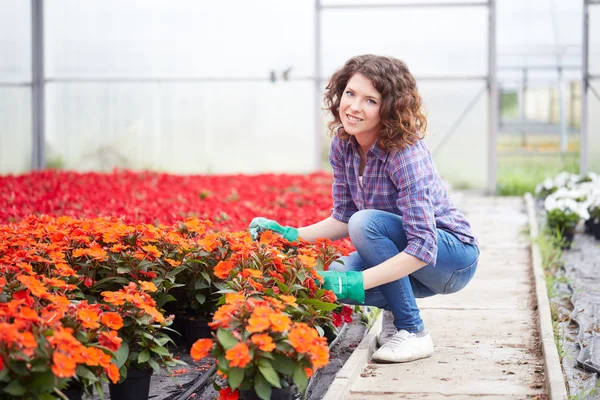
[[300, 378], [161, 351], [201, 285], [301, 276], [115, 279], [200, 297], [235, 377], [175, 271], [15, 388], [226, 339], [283, 287], [320, 330], [99, 389], [122, 354], [154, 365], [262, 388], [123, 270], [43, 382], [283, 364], [205, 275], [143, 356], [85, 373], [46, 396], [267, 370], [319, 305]]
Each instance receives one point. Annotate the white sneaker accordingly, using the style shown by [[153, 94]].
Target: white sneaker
[[404, 347], [388, 329]]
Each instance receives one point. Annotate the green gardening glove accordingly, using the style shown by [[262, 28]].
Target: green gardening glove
[[261, 224], [345, 285]]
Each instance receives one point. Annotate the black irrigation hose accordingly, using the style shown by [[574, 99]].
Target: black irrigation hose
[[199, 383]]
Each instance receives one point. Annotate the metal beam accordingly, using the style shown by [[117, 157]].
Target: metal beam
[[492, 99], [583, 142], [405, 5], [38, 157], [317, 78]]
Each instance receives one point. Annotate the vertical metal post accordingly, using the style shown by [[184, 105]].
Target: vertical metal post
[[38, 158], [318, 113], [562, 106], [583, 140], [492, 99]]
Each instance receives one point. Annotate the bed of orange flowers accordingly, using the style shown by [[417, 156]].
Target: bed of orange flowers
[[82, 299]]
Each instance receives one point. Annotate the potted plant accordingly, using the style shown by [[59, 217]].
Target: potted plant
[[260, 350], [562, 215], [144, 340]]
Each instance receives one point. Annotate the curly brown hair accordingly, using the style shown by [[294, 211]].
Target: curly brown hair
[[403, 122]]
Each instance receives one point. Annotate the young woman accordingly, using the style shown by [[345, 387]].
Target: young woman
[[410, 239]]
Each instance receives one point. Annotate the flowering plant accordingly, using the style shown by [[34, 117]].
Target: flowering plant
[[564, 212], [47, 340], [143, 341], [258, 347]]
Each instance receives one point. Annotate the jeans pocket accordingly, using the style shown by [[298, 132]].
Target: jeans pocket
[[460, 278]]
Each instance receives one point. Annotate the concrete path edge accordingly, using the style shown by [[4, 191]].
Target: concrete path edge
[[340, 387], [555, 382]]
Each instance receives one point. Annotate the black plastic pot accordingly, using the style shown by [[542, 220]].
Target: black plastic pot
[[194, 329], [595, 228], [135, 387], [74, 390], [276, 394], [568, 234], [330, 334]]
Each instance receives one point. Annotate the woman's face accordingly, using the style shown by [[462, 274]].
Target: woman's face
[[359, 108]]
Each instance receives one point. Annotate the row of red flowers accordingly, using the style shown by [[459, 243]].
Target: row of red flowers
[[84, 298], [149, 197]]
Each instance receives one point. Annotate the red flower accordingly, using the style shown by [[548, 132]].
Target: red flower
[[228, 394]]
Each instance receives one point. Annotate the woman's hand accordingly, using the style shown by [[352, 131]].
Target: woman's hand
[[261, 224], [345, 285]]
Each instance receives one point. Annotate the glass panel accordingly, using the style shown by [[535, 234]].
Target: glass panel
[[141, 38], [15, 41], [461, 158], [183, 128], [594, 54], [15, 130], [432, 41]]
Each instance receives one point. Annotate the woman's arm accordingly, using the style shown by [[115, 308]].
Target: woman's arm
[[392, 269], [329, 228]]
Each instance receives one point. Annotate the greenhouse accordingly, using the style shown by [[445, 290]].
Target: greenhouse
[[204, 200]]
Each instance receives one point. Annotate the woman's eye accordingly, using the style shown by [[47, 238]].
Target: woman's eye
[[371, 101], [349, 93]]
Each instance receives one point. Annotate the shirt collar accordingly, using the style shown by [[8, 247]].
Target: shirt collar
[[375, 149]]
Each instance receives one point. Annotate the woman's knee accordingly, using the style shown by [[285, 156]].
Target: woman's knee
[[362, 223], [366, 225]]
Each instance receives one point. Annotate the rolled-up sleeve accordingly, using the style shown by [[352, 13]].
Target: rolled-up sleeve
[[343, 204], [414, 201]]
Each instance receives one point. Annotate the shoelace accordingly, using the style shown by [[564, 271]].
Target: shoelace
[[397, 340]]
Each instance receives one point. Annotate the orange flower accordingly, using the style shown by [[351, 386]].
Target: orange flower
[[264, 342], [63, 365], [235, 298], [201, 349], [223, 316], [238, 355], [223, 268], [301, 337], [113, 373], [228, 394], [257, 324], [112, 320], [307, 260], [89, 318], [269, 238], [33, 284], [319, 355], [280, 322], [114, 298], [148, 286], [152, 250], [110, 340], [308, 372], [289, 300], [173, 263], [247, 272]]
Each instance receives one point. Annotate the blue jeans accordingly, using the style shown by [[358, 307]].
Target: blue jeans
[[378, 236]]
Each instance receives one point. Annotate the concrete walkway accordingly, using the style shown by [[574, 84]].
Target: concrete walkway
[[485, 337]]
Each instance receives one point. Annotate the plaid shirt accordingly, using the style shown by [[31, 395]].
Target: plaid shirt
[[405, 183]]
